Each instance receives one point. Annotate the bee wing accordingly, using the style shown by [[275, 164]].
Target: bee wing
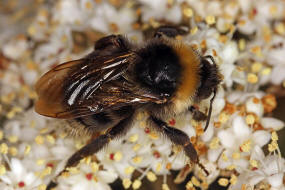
[[89, 86]]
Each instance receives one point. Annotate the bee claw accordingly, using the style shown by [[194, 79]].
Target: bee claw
[[51, 185]]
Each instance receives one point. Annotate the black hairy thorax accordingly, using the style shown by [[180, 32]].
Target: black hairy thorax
[[159, 68]]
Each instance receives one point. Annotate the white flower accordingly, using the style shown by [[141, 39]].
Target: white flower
[[116, 158], [269, 168], [238, 142], [87, 179], [19, 177]]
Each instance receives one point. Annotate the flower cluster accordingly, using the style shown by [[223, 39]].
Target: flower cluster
[[246, 40]]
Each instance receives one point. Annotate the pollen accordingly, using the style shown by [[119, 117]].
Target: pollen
[[40, 162], [266, 71], [246, 146], [214, 144], [253, 163], [195, 181], [2, 170], [188, 12], [273, 9], [242, 44], [42, 187], [256, 50], [27, 149], [50, 139], [236, 155], [250, 119], [256, 67], [88, 5], [129, 170], [73, 170], [39, 139], [133, 138], [10, 114], [87, 160], [32, 30], [127, 183], [46, 171], [13, 139], [158, 167], [136, 147], [194, 30], [94, 167], [231, 167], [280, 28], [223, 117], [241, 22], [224, 157], [252, 78], [189, 185], [274, 136], [269, 103], [165, 187], [233, 179], [137, 159], [13, 151], [223, 182], [4, 148], [118, 156], [273, 146], [255, 100], [153, 135], [151, 176], [168, 166], [42, 131], [137, 183], [210, 20]]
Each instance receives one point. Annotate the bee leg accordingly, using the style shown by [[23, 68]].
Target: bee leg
[[170, 31], [196, 114], [178, 137], [96, 145], [112, 42]]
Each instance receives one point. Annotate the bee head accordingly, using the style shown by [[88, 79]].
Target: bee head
[[210, 78]]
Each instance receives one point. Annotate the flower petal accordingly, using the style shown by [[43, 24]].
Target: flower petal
[[261, 137], [272, 123]]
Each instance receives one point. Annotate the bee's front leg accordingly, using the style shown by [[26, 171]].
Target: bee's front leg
[[196, 114], [178, 137]]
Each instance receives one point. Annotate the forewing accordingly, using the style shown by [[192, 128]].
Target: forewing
[[89, 86]]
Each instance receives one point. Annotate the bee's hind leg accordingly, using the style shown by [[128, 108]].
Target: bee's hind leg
[[120, 129]]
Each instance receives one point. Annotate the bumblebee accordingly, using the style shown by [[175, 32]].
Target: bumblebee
[[106, 89]]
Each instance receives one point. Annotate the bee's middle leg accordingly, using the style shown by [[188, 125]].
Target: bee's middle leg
[[96, 145], [111, 42]]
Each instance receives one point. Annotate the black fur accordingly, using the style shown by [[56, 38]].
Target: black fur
[[158, 68], [94, 120]]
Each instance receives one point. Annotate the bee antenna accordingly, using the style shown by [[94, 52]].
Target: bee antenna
[[210, 110]]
